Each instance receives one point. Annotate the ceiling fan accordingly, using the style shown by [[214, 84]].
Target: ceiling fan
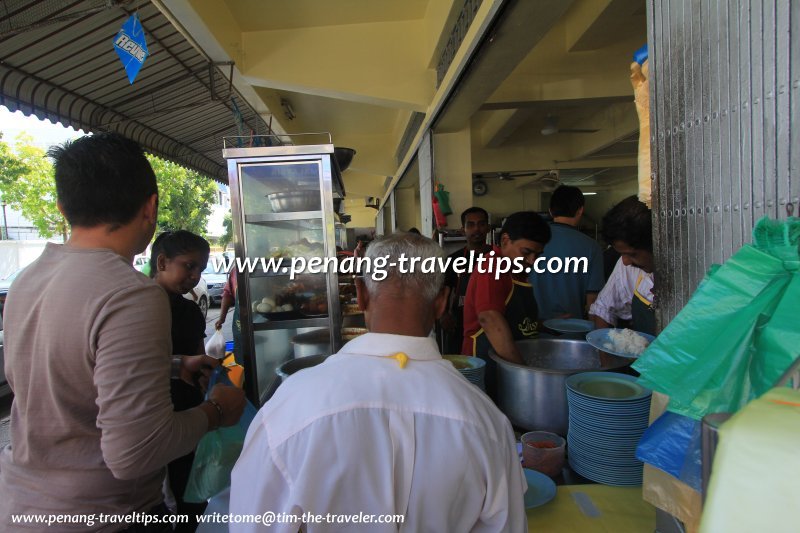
[[550, 181], [507, 175], [479, 187], [551, 127]]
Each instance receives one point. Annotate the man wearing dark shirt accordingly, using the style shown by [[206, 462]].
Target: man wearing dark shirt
[[475, 225]]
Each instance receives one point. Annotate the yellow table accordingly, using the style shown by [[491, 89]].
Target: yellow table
[[594, 508]]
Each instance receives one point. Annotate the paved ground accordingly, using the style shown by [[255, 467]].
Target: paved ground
[[213, 315]]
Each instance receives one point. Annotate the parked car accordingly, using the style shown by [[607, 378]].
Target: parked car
[[140, 261], [215, 281], [199, 295], [5, 283]]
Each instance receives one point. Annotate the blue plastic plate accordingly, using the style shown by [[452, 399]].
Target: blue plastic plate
[[476, 364], [607, 386], [541, 489], [600, 340]]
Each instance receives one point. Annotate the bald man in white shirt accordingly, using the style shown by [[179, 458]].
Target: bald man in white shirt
[[384, 427]]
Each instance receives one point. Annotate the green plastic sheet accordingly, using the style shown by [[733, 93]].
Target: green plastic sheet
[[739, 331]]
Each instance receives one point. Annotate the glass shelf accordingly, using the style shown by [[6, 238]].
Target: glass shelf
[[298, 216]]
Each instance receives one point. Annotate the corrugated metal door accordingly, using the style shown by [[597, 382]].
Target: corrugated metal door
[[725, 125]]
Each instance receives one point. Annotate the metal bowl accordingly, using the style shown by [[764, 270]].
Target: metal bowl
[[317, 342], [296, 365], [285, 202], [534, 396], [344, 156]]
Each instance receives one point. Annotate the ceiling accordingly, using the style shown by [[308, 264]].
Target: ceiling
[[370, 72], [365, 69], [254, 15]]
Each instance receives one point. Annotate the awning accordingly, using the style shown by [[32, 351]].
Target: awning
[[57, 62]]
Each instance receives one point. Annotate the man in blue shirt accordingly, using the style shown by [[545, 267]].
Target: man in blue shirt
[[567, 294]]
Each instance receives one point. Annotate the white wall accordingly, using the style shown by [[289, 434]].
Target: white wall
[[18, 254]]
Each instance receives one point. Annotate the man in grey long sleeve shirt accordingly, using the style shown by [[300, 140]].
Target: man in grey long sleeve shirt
[[87, 347]]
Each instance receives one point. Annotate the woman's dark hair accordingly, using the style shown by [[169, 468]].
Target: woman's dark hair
[[174, 243], [566, 201], [102, 179], [630, 222], [527, 225]]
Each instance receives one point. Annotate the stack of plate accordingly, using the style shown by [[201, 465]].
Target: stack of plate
[[472, 368], [608, 413]]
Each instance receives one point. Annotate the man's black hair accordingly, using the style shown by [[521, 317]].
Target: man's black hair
[[470, 210], [174, 243], [527, 225], [630, 222], [565, 201], [102, 179]]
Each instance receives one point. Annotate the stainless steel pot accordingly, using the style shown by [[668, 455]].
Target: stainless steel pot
[[286, 202], [534, 396], [295, 365], [317, 342]]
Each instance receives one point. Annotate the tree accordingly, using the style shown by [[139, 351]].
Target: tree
[[184, 197], [27, 185], [226, 237]]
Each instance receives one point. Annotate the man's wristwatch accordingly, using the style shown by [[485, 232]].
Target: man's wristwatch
[[177, 363]]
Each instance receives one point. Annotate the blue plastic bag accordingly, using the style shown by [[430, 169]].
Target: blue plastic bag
[[217, 452], [673, 444]]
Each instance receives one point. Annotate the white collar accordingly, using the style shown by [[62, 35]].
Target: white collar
[[388, 345]]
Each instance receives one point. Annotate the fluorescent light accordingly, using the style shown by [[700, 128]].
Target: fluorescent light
[[589, 193]]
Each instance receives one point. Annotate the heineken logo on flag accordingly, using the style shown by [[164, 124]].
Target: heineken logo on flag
[[131, 46]]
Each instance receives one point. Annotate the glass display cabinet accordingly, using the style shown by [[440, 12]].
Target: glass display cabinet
[[282, 200]]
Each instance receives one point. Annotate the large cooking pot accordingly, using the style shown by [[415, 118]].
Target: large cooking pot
[[317, 342], [295, 365], [534, 396]]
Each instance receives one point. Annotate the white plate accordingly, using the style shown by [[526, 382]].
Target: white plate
[[599, 339]]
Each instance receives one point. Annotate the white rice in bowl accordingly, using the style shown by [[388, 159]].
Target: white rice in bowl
[[626, 341]]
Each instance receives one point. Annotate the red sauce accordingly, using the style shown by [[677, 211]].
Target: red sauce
[[542, 444]]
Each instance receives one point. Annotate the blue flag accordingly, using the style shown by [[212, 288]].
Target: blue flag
[[131, 46]]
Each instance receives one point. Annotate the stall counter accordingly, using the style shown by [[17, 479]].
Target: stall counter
[[594, 508]]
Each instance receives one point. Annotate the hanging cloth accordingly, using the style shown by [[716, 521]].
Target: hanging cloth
[[444, 199], [641, 91]]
